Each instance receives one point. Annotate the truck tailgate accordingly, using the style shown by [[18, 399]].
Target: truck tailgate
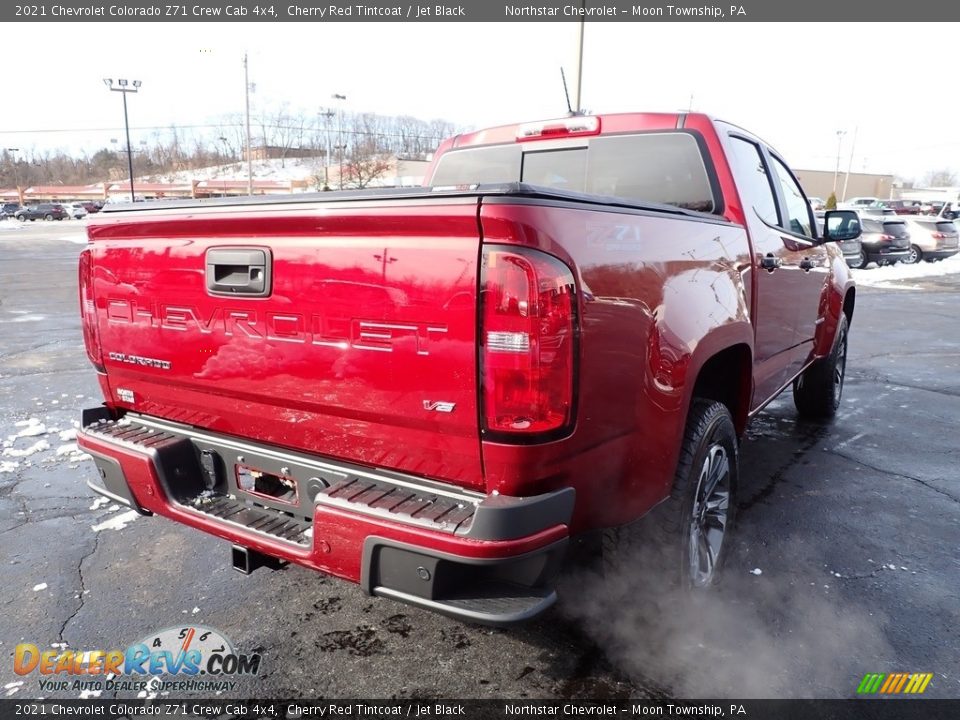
[[345, 329]]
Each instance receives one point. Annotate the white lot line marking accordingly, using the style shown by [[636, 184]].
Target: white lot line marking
[[842, 445]]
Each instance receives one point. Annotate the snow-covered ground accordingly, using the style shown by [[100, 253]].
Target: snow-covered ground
[[886, 277], [289, 169]]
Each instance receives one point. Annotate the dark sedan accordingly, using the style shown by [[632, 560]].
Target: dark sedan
[[42, 211], [885, 240], [8, 210]]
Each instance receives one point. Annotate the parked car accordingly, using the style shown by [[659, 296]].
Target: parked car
[[903, 207], [45, 211], [861, 202], [91, 207], [8, 210], [817, 203], [949, 211], [933, 207], [75, 210], [932, 239], [885, 240]]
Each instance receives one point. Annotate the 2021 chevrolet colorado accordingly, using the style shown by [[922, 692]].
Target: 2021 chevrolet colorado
[[429, 391]]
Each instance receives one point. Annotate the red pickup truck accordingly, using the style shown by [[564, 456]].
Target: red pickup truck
[[429, 391]]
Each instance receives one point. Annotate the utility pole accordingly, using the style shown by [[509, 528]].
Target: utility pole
[[326, 153], [836, 172], [340, 98], [246, 87]]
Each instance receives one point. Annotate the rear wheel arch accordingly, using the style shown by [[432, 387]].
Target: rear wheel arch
[[727, 377], [849, 300]]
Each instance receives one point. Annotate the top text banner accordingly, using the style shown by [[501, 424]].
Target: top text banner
[[481, 11]]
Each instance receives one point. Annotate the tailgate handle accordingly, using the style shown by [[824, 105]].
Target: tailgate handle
[[239, 271]]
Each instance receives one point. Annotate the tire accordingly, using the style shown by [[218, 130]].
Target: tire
[[915, 256], [21, 218], [860, 262], [817, 391], [682, 544], [48, 217]]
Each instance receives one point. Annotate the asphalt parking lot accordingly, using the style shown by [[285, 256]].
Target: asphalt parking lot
[[854, 529]]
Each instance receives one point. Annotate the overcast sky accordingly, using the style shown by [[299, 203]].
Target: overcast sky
[[795, 85]]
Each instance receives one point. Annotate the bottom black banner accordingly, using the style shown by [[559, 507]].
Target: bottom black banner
[[872, 709]]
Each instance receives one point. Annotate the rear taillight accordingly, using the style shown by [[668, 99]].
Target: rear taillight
[[528, 343], [938, 236], [88, 311]]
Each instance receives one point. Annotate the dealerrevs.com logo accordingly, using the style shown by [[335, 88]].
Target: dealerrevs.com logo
[[200, 658], [894, 683]]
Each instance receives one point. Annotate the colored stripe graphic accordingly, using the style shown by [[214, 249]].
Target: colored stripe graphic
[[894, 683]]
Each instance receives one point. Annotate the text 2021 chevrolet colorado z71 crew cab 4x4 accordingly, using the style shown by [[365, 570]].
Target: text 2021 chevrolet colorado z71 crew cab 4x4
[[429, 391]]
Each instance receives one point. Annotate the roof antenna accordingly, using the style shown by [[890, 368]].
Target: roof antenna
[[566, 93]]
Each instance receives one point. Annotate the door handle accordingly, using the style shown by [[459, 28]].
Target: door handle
[[238, 271], [770, 262], [807, 264]]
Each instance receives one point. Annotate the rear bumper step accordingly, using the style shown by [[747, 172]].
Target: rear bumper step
[[488, 559]]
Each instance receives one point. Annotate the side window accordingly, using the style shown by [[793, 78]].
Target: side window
[[797, 211], [752, 179]]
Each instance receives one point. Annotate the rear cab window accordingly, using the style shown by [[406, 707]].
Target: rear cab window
[[669, 167]]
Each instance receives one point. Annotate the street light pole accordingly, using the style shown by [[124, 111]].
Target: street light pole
[[16, 173], [846, 178], [836, 172], [341, 98], [123, 88]]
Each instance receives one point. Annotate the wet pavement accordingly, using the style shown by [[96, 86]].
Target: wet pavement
[[854, 529]]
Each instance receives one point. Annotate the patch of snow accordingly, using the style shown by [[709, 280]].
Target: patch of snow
[[68, 435], [7, 466], [756, 571], [39, 587], [195, 611], [25, 423], [885, 277], [113, 508], [69, 448], [32, 431], [38, 446], [117, 522], [87, 694], [25, 318], [98, 502]]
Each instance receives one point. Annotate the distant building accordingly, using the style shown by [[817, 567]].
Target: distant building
[[275, 152], [820, 183]]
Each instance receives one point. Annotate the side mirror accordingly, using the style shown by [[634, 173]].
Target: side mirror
[[841, 225]]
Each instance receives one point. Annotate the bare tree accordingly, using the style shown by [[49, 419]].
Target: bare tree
[[940, 178], [364, 165]]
